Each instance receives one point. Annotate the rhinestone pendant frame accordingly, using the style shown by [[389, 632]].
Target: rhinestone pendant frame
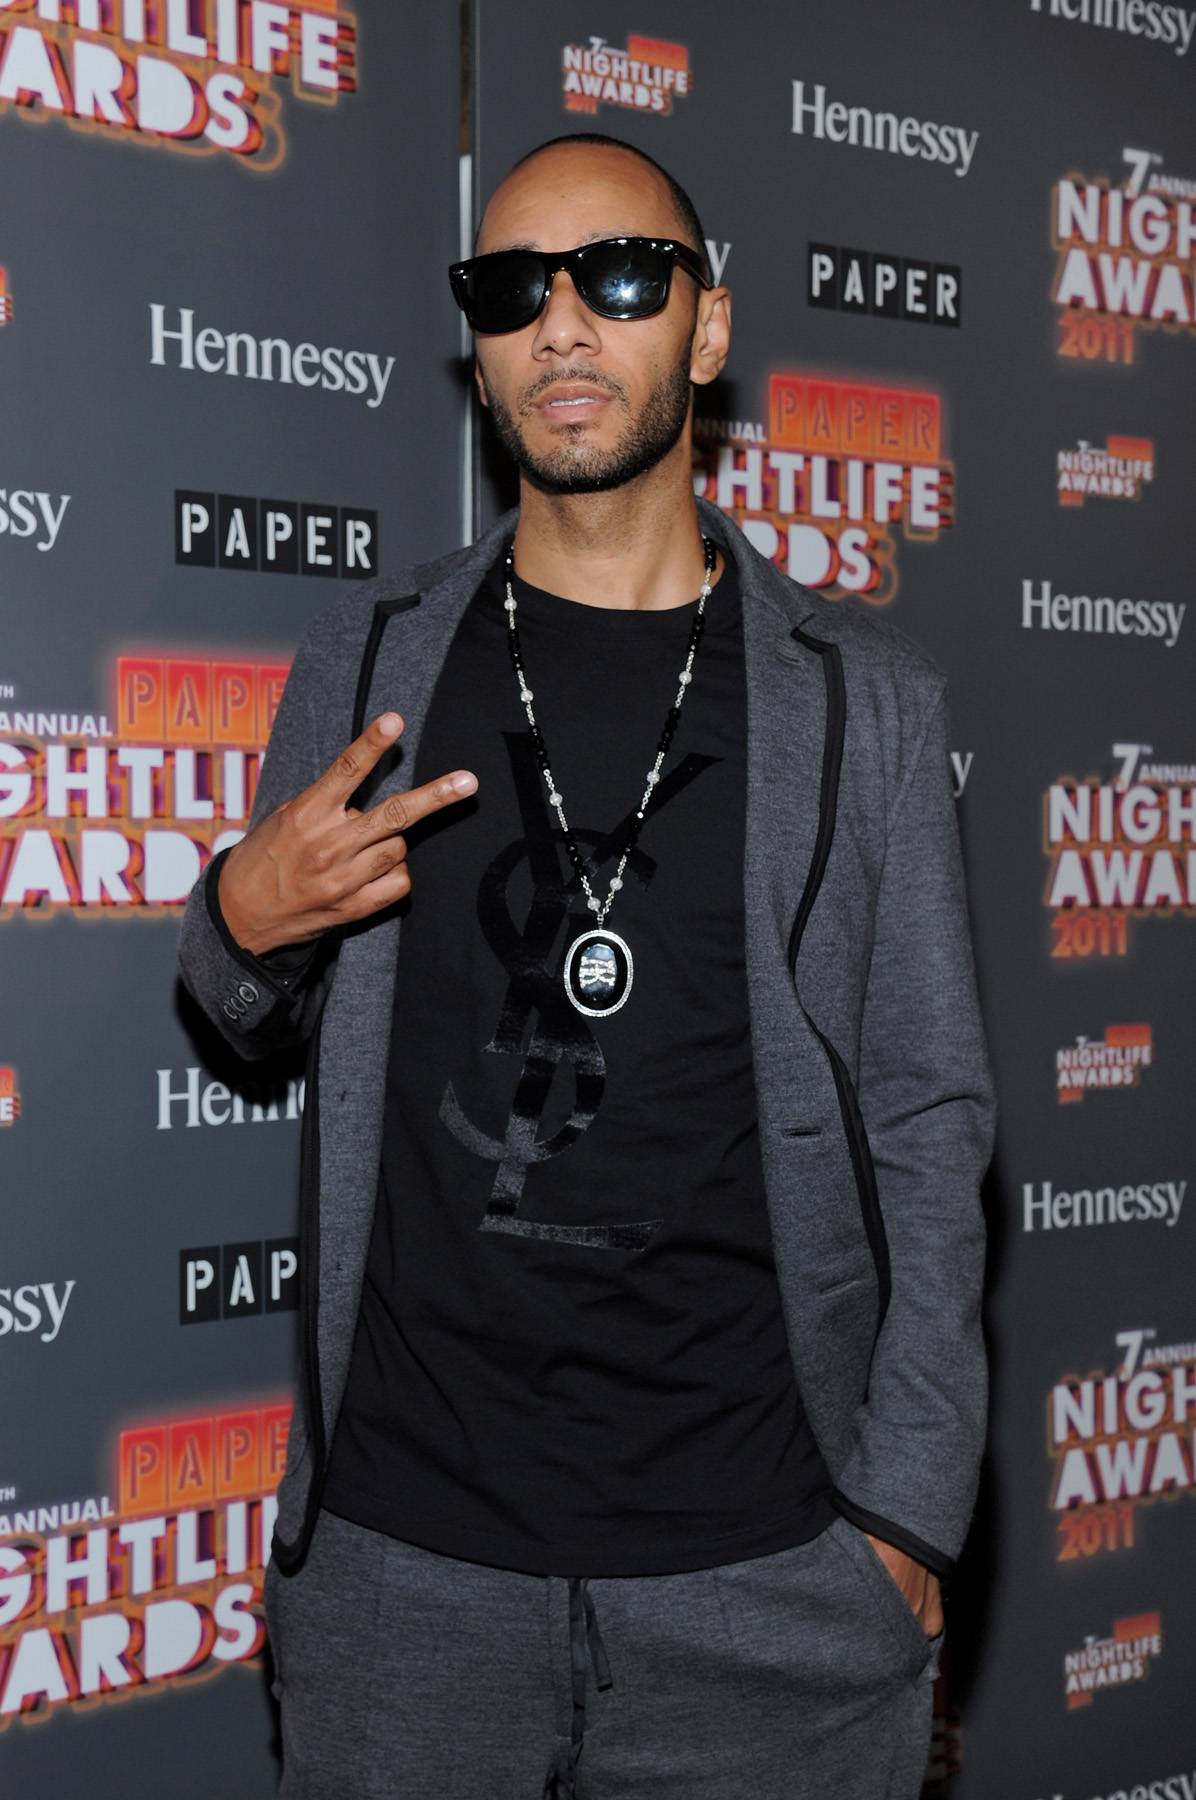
[[620, 947]]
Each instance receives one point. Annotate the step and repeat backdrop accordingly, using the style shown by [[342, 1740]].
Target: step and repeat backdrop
[[230, 387], [962, 248]]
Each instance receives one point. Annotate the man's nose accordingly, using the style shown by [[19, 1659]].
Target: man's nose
[[566, 319]]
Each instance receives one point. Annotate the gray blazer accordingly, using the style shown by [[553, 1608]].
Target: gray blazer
[[875, 1101]]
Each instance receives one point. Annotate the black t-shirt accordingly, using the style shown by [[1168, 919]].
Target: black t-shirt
[[570, 1355]]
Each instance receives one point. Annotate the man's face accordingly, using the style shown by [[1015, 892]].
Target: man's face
[[640, 367]]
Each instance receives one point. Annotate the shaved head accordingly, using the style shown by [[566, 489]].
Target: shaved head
[[680, 214]]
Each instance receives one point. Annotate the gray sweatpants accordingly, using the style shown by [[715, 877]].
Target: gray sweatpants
[[409, 1675]]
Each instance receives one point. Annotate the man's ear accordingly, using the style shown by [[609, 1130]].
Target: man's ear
[[712, 335], [480, 381]]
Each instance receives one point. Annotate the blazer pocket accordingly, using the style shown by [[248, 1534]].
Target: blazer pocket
[[841, 1284], [918, 1650], [862, 1166]]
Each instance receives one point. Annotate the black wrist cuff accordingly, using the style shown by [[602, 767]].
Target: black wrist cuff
[[282, 977]]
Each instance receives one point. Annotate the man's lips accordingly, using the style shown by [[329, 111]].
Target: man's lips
[[567, 402]]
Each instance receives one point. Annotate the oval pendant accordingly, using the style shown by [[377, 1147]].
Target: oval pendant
[[598, 972]]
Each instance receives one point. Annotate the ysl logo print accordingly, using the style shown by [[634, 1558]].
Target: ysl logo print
[[560, 1036]]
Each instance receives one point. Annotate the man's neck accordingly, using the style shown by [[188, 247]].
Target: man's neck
[[637, 552]]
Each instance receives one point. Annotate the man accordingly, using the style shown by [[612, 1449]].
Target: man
[[644, 1387]]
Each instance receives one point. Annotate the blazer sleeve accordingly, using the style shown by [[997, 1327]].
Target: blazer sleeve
[[927, 1103], [262, 1003]]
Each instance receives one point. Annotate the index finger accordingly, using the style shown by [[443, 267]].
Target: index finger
[[349, 769]]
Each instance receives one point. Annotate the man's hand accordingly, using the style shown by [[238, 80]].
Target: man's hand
[[918, 1584], [316, 863]]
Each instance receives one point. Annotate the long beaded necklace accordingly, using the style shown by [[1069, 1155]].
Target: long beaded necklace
[[598, 967]]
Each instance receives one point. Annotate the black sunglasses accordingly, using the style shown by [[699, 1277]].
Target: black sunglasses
[[619, 278]]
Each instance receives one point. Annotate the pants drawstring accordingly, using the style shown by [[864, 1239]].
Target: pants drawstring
[[561, 1782]]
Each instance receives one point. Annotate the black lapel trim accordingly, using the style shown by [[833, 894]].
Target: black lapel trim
[[849, 1108], [828, 797], [384, 611]]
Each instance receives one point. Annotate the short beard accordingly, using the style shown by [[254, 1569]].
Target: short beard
[[579, 469]]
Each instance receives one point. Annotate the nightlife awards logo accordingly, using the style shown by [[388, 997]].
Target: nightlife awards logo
[[1116, 1661], [238, 1281], [35, 1309], [1114, 1062], [1119, 848], [886, 287], [837, 122], [10, 1096], [26, 513], [645, 77], [211, 351], [1118, 472], [166, 1588], [824, 487], [202, 78], [5, 298], [275, 537], [1153, 20], [1117, 1440], [117, 822], [1124, 259]]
